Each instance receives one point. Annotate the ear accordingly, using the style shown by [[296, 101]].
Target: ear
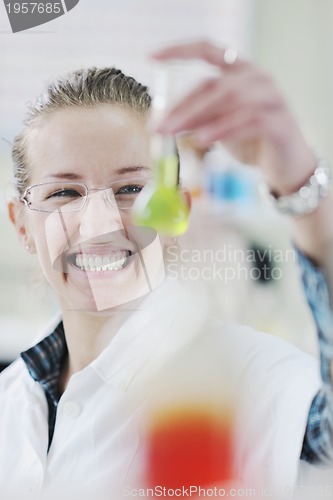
[[17, 218]]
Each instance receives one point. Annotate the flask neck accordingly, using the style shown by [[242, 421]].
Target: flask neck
[[165, 160]]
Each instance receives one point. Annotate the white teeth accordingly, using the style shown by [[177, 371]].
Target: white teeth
[[112, 262], [98, 263]]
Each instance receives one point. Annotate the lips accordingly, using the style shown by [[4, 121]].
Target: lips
[[109, 252]]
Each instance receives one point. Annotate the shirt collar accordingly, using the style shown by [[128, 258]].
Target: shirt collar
[[168, 318], [44, 360]]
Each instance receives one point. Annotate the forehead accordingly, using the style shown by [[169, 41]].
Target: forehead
[[102, 137]]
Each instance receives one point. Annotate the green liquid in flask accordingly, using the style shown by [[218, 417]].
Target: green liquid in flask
[[163, 207]]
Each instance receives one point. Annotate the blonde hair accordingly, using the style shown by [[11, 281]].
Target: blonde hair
[[85, 87]]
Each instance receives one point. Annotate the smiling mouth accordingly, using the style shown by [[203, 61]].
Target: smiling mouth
[[90, 262]]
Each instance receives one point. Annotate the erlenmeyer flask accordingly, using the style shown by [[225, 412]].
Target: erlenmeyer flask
[[162, 205]]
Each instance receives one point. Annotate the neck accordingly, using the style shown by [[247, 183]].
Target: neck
[[89, 333]]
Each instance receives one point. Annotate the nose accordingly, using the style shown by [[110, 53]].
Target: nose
[[98, 216]]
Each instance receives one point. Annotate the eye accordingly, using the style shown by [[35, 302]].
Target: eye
[[130, 189], [65, 193]]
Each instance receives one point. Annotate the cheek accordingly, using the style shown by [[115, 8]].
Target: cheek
[[59, 233], [51, 237]]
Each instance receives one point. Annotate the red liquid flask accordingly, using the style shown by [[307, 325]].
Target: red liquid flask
[[190, 447]]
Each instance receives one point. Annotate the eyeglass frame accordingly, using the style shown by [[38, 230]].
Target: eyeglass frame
[[85, 198]]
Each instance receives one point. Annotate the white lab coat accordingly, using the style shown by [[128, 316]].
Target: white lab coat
[[97, 444]]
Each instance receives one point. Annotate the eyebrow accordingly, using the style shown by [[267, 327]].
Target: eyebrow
[[76, 177]]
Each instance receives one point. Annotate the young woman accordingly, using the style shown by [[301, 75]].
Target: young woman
[[73, 405]]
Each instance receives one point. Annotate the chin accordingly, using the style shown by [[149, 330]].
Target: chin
[[103, 303]]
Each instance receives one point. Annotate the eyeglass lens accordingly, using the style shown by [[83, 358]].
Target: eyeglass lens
[[71, 196]]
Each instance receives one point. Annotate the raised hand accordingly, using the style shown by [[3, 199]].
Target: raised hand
[[243, 108]]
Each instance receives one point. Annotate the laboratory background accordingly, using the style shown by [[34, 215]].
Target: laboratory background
[[237, 245]]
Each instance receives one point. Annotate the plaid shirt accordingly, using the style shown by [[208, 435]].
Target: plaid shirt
[[318, 440], [44, 362]]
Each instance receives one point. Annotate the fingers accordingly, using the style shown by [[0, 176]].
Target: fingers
[[241, 84], [239, 126], [220, 99], [203, 50], [242, 108], [243, 135]]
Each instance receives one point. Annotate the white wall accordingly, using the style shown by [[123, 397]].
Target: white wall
[[293, 40]]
